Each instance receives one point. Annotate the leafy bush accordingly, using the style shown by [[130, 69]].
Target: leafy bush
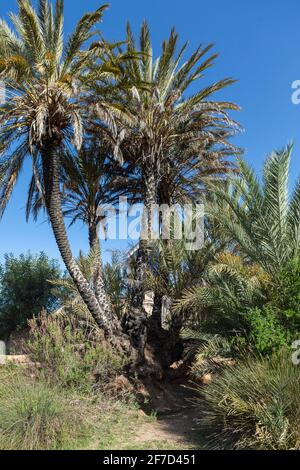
[[25, 290], [277, 323], [72, 356], [33, 415], [267, 333], [286, 294], [246, 306], [255, 404]]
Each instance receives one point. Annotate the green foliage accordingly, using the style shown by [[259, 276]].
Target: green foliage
[[254, 404], [157, 112], [36, 414], [36, 61], [25, 290], [286, 294], [266, 332], [239, 301], [33, 415], [251, 292], [72, 356], [210, 351], [277, 323], [228, 289]]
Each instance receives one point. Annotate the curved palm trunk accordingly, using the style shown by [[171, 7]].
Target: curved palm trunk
[[98, 272], [51, 174], [120, 341]]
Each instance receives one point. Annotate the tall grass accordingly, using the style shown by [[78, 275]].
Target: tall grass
[[33, 415], [255, 404]]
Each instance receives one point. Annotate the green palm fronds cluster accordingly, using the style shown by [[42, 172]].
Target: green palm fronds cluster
[[264, 220], [261, 222], [164, 133], [224, 294]]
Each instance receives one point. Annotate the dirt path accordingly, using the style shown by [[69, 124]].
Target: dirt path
[[168, 421], [170, 432], [175, 426]]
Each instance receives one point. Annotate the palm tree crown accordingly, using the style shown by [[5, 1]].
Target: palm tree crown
[[170, 142], [160, 127]]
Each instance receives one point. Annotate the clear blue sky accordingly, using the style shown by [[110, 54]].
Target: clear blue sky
[[259, 45]]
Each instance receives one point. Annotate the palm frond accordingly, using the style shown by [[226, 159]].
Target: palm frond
[[82, 33]]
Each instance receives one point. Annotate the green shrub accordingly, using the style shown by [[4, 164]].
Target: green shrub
[[254, 404], [71, 356], [33, 415], [210, 352], [266, 333], [286, 294], [277, 323]]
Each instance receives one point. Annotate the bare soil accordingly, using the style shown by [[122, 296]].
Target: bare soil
[[176, 423]]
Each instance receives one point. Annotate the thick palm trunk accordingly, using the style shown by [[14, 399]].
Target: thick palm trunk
[[99, 287], [51, 174], [135, 321], [156, 317]]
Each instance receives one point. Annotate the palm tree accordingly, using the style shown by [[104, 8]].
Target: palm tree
[[87, 188], [160, 129], [181, 183], [262, 219], [44, 112]]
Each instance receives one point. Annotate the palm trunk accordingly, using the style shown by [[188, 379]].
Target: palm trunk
[[138, 291], [156, 317], [135, 321], [143, 255], [99, 287], [51, 173]]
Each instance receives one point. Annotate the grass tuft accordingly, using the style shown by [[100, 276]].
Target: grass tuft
[[253, 405], [33, 415]]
